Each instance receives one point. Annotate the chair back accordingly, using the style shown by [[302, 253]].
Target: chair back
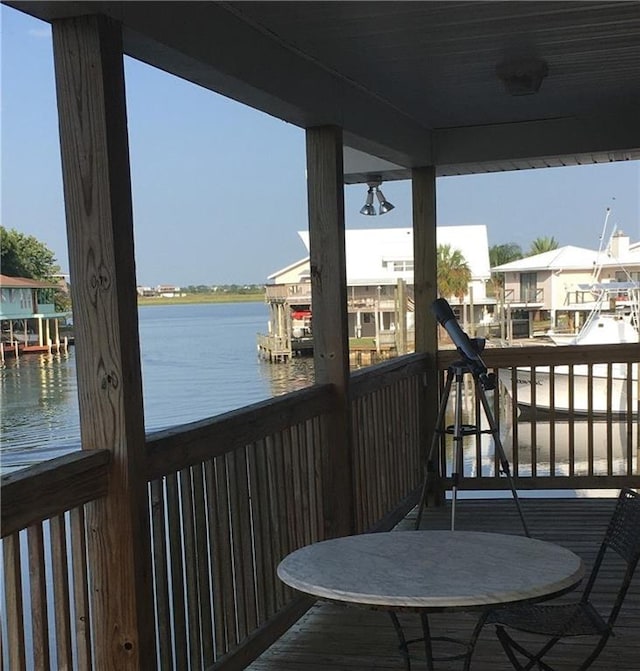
[[623, 534], [623, 537]]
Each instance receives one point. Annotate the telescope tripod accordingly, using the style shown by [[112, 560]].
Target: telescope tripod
[[459, 431]]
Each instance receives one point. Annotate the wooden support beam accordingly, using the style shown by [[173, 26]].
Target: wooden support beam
[[97, 188], [425, 292], [425, 256], [325, 191]]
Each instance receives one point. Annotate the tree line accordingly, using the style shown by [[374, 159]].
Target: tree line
[[241, 289], [454, 274], [25, 256]]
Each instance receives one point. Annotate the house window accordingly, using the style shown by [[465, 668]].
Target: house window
[[528, 288], [402, 266]]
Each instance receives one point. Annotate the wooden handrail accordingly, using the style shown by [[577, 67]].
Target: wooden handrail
[[367, 380], [38, 492], [173, 449], [541, 355]]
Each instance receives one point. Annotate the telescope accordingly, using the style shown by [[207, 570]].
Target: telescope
[[469, 348], [471, 362]]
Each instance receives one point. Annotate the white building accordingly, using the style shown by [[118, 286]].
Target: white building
[[555, 283], [379, 267]]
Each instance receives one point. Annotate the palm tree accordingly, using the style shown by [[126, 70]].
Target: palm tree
[[543, 244], [499, 254], [453, 273]]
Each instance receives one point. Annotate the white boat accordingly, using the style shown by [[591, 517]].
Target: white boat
[[599, 390]]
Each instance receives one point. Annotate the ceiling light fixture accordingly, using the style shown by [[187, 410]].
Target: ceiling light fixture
[[368, 208], [522, 77]]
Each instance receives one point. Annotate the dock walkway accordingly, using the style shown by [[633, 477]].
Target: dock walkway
[[335, 637]]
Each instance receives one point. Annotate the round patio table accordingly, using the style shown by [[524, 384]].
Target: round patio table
[[429, 571]]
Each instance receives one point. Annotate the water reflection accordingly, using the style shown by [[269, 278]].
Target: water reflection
[[39, 399], [294, 375], [591, 447], [592, 444]]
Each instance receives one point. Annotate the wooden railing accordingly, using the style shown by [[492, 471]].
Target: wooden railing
[[289, 293], [554, 449], [230, 496], [387, 457], [533, 295], [43, 544]]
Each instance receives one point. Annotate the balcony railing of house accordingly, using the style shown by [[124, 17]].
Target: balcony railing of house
[[230, 496], [519, 296], [46, 309], [288, 293]]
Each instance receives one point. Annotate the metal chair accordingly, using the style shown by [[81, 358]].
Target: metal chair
[[580, 618]]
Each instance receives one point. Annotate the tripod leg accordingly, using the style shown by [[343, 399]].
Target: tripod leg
[[439, 429], [457, 449], [504, 463]]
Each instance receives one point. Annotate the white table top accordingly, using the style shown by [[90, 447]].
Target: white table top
[[431, 569]]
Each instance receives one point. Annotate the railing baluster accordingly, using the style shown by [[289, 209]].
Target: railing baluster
[[81, 588], [224, 556], [258, 492], [38, 589], [161, 572], [178, 599], [61, 591], [571, 427], [609, 418], [214, 543], [13, 602], [552, 421], [205, 591], [534, 398]]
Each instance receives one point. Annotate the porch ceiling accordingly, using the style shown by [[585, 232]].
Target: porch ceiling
[[411, 83]]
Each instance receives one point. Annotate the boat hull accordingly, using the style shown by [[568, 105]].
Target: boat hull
[[559, 393]]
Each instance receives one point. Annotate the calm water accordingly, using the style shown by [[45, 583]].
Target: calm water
[[197, 361]]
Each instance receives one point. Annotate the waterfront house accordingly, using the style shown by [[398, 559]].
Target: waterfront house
[[552, 288], [28, 316], [164, 546], [380, 296]]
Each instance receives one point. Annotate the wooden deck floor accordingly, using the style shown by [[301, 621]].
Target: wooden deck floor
[[333, 637]]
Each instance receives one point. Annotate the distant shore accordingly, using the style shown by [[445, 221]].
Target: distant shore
[[213, 297]]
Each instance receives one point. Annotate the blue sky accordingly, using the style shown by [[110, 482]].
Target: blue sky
[[219, 189]]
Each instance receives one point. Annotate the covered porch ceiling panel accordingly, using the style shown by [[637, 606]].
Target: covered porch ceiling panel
[[410, 83]]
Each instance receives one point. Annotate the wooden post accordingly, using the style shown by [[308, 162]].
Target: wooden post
[[88, 61], [472, 317], [425, 292], [325, 192], [401, 321]]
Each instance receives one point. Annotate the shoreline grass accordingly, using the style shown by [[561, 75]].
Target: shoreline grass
[[192, 299]]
